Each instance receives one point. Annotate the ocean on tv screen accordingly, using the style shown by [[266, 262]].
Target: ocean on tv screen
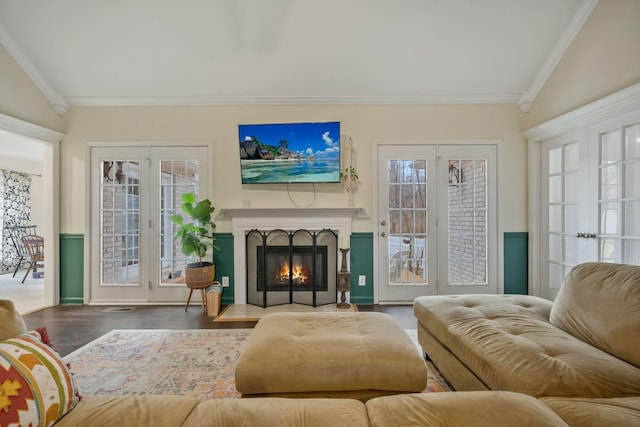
[[290, 153], [290, 171]]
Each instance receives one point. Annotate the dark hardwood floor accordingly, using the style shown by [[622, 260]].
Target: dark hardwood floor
[[72, 326]]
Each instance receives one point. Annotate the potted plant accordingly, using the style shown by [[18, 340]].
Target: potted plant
[[350, 178], [196, 237]]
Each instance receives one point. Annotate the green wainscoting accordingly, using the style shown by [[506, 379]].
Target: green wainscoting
[[71, 268], [361, 260], [516, 262], [223, 259], [361, 263]]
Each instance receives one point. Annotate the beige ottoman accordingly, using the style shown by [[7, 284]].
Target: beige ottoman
[[357, 355]]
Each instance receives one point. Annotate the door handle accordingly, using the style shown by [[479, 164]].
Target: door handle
[[586, 235]]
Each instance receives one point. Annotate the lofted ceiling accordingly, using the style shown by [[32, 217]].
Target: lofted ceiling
[[259, 52]]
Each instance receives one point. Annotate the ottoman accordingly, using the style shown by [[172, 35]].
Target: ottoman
[[356, 355]]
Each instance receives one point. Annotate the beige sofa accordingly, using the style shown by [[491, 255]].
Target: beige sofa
[[485, 408], [582, 349]]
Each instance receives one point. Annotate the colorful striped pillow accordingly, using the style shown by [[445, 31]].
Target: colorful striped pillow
[[36, 388]]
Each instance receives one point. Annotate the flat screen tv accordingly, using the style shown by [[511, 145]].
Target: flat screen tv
[[284, 153]]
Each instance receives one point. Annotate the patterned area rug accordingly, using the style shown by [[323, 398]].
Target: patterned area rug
[[199, 363]]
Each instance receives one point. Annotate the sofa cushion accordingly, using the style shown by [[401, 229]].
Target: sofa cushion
[[133, 411], [37, 388], [585, 412], [600, 304], [11, 323], [274, 411], [463, 408], [509, 345]]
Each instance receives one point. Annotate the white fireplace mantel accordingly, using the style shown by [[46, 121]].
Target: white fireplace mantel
[[290, 213], [289, 219]]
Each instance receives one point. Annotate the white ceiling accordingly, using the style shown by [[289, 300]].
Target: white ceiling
[[165, 52]]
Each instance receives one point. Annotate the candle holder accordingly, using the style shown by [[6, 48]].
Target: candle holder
[[344, 280]]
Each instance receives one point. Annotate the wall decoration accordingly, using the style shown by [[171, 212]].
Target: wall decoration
[[15, 204]]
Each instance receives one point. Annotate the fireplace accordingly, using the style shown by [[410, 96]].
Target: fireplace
[[246, 219], [302, 268], [285, 267]]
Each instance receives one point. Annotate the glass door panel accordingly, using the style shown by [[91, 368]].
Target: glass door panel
[[563, 190], [467, 218], [177, 177], [406, 232], [467, 225], [619, 199], [175, 171], [118, 240], [407, 248], [120, 211]]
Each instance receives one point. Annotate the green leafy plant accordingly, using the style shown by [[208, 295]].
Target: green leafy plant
[[196, 236], [345, 174]]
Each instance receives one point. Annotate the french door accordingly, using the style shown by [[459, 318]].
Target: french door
[[590, 196], [134, 190], [437, 220], [568, 191]]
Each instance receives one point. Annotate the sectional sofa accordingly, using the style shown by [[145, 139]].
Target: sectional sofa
[[583, 349], [486, 398]]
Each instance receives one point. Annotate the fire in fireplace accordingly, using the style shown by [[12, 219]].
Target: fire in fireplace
[[292, 266], [298, 274]]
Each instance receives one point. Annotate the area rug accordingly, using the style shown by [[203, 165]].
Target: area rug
[[249, 312], [199, 363]]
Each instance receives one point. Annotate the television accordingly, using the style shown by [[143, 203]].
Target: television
[[285, 153]]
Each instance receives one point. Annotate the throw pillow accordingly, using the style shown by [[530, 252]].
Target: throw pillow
[[36, 388]]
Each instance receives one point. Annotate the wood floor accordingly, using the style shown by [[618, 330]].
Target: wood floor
[[70, 327]]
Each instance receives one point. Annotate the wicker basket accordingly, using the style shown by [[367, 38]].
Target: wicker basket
[[199, 276]]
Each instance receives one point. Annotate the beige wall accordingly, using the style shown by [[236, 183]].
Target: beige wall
[[20, 98], [218, 125], [603, 58]]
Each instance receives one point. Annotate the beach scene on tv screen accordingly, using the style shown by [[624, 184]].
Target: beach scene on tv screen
[[290, 152]]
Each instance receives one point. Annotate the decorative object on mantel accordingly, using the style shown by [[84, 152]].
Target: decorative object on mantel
[[344, 276], [350, 176]]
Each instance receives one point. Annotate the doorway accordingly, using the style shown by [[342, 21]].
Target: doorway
[[134, 190], [437, 215], [23, 140], [590, 199]]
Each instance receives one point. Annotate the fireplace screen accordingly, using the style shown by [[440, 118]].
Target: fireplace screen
[[285, 267]]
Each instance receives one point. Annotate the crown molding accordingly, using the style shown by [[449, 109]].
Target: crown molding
[[60, 106], [29, 130], [528, 96], [144, 101], [618, 103]]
